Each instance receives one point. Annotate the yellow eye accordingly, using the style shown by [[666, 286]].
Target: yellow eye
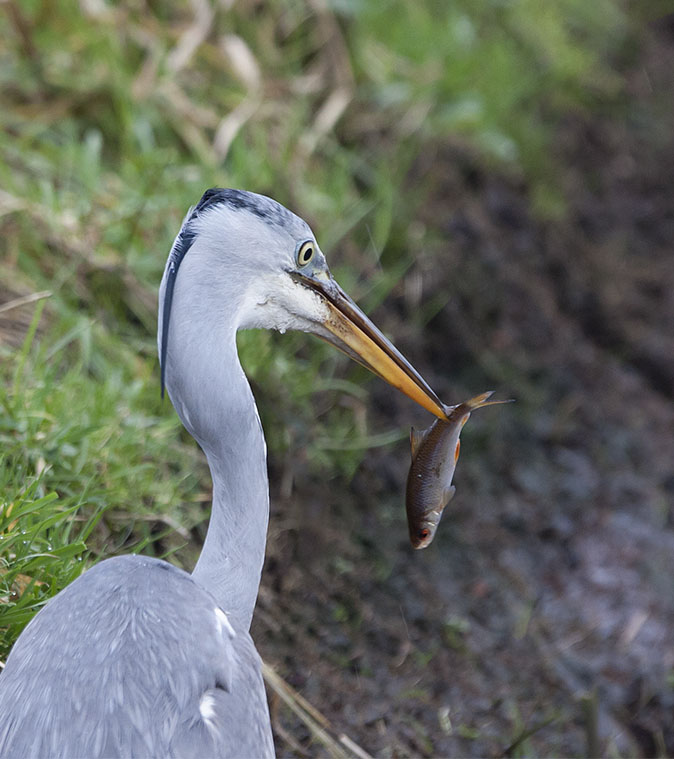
[[305, 253]]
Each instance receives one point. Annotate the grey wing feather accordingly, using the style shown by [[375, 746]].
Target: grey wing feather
[[132, 659], [232, 725]]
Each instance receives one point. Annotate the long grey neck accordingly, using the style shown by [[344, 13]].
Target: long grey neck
[[222, 416]]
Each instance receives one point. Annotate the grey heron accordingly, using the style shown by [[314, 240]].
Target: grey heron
[[137, 657]]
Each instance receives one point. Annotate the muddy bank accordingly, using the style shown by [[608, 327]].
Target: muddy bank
[[540, 620]]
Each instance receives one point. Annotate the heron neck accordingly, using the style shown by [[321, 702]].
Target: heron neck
[[227, 426]]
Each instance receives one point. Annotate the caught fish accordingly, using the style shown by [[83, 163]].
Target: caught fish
[[435, 452]]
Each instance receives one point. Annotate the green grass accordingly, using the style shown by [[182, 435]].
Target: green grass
[[81, 452], [110, 128]]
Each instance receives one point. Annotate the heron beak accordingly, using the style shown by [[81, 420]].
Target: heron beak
[[348, 329]]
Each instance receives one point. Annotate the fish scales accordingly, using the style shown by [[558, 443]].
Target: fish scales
[[435, 453]]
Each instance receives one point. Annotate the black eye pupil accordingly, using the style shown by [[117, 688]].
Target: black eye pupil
[[423, 533], [306, 254]]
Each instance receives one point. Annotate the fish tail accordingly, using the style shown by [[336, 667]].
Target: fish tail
[[470, 405], [479, 401]]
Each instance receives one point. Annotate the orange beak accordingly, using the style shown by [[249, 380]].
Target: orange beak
[[348, 329]]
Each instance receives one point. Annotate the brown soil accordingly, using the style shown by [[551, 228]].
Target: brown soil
[[541, 620]]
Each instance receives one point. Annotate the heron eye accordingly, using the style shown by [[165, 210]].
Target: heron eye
[[424, 533], [305, 253]]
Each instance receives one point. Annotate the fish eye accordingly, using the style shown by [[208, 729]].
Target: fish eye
[[305, 253], [423, 533]]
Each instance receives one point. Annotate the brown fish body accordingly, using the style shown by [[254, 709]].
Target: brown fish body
[[435, 452]]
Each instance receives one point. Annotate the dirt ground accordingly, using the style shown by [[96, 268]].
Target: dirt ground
[[540, 621]]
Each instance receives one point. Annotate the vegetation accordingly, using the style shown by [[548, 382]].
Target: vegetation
[[116, 116]]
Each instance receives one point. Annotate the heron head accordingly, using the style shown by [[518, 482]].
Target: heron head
[[282, 281]]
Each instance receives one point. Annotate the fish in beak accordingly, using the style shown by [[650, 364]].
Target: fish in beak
[[435, 453], [347, 328]]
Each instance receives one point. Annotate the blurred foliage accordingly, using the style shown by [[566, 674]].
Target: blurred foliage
[[501, 73], [114, 117]]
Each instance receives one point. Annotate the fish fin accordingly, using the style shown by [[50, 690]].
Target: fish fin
[[416, 439], [448, 494]]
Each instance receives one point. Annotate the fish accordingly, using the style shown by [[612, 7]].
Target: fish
[[435, 452]]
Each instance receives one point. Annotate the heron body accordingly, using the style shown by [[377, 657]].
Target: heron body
[[137, 657]]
